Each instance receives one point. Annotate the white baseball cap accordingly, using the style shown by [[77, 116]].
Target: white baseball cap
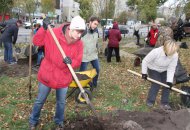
[[77, 23]]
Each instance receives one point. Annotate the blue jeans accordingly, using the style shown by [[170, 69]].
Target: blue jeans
[[8, 52], [161, 77], [96, 65], [40, 56], [43, 92]]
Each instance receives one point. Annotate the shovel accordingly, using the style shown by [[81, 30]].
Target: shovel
[[72, 72], [162, 84]]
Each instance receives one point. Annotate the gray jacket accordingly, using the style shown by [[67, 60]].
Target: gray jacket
[[90, 41]]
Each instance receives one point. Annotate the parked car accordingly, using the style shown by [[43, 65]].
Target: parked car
[[186, 29], [123, 29], [181, 29], [108, 26], [27, 25]]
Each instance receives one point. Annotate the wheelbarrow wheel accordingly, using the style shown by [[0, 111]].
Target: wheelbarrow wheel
[[79, 97]]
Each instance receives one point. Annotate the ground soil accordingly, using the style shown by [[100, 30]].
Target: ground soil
[[125, 120], [21, 69], [117, 120], [82, 76]]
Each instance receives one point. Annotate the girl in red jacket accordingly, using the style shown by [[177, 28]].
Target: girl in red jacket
[[114, 36], [53, 72], [153, 35]]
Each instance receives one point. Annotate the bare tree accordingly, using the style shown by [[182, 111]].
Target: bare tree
[[28, 6], [98, 6]]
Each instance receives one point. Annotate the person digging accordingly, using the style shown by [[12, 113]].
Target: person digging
[[53, 72], [160, 65]]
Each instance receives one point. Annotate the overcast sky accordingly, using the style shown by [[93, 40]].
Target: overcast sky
[[169, 2]]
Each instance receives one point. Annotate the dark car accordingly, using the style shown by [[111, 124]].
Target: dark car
[[186, 29], [123, 29]]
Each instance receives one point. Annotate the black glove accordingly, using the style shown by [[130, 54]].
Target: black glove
[[169, 84], [144, 76], [46, 22], [67, 60]]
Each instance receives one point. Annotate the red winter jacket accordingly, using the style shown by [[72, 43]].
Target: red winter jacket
[[53, 72], [114, 36], [153, 36]]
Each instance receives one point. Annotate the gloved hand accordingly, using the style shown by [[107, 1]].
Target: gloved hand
[[144, 76], [46, 22], [169, 84], [67, 60]]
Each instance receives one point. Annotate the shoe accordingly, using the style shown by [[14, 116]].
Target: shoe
[[165, 107], [59, 127], [149, 104], [32, 127], [12, 63]]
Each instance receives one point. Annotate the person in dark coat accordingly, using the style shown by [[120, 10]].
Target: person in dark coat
[[9, 37], [114, 36]]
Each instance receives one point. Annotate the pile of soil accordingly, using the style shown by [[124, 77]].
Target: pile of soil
[[125, 120], [82, 76]]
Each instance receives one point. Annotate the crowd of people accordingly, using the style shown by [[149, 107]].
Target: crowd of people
[[79, 40]]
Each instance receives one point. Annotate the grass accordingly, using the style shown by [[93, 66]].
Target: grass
[[117, 89]]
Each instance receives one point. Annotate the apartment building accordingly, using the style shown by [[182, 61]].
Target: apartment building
[[69, 9]]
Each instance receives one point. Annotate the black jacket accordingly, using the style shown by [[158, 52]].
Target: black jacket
[[10, 34]]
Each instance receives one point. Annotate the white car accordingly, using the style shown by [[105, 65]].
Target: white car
[[27, 25], [108, 26]]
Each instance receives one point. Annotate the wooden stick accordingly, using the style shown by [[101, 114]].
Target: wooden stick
[[162, 84], [30, 67]]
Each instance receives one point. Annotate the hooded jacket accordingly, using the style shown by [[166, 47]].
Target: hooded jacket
[[114, 36], [53, 72]]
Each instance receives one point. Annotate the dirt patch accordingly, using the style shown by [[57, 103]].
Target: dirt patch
[[82, 76], [125, 120], [16, 70]]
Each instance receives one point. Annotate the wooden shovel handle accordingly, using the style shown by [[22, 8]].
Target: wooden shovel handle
[[157, 82]]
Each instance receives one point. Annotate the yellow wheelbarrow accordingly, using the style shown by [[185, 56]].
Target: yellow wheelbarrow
[[85, 79]]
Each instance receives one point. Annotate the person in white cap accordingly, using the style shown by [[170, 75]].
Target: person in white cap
[[53, 72]]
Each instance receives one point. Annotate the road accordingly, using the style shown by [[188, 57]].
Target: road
[[143, 32], [24, 34]]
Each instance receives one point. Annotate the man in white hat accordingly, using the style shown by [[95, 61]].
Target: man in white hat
[[53, 72]]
